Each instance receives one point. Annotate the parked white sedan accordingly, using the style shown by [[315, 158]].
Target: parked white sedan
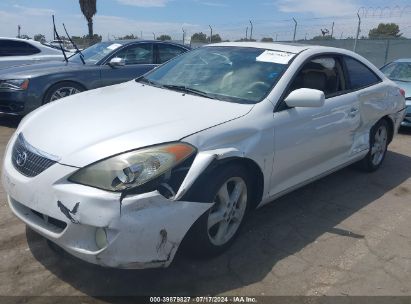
[[15, 51], [125, 175]]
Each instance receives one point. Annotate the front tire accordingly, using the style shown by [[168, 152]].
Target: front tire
[[378, 146], [62, 89], [229, 189]]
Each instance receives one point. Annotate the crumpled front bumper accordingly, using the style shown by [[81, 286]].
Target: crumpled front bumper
[[141, 231]]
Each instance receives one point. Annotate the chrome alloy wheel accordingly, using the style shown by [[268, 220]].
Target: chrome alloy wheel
[[229, 208], [64, 92], [380, 145]]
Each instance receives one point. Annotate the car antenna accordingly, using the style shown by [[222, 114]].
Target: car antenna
[[59, 40], [75, 46]]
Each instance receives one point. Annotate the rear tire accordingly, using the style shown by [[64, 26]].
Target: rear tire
[[61, 90], [229, 188], [379, 135]]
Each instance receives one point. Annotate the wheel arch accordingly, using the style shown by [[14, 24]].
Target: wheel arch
[[253, 170], [391, 126]]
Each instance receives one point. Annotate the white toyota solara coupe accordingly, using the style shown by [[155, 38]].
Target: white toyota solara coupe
[[123, 176]]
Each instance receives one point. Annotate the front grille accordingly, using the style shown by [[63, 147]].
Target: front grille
[[37, 219], [50, 220], [28, 160]]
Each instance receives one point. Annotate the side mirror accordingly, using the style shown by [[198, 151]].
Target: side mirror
[[305, 98], [116, 62]]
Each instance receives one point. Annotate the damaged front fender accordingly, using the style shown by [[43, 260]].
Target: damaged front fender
[[149, 231]]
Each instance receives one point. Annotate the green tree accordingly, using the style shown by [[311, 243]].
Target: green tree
[[245, 39], [128, 37], [199, 37], [215, 38], [267, 39], [85, 41], [321, 37], [89, 9], [164, 37], [40, 38], [385, 30]]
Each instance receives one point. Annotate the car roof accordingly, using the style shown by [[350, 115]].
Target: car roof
[[128, 41], [15, 39], [403, 60], [283, 47]]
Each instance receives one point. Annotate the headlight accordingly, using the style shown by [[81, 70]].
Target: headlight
[[132, 169], [14, 84]]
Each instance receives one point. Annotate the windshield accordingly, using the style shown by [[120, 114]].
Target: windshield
[[236, 74], [400, 71], [96, 52]]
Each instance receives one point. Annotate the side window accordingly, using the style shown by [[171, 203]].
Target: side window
[[323, 73], [137, 54], [167, 52], [360, 76], [17, 48]]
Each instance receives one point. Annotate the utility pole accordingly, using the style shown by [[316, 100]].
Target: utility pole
[[246, 33], [211, 33], [184, 36], [276, 36], [295, 28], [358, 32], [154, 35], [332, 30], [18, 31], [251, 30]]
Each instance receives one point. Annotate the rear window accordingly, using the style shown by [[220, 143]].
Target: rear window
[[17, 48], [398, 71], [360, 76], [167, 52]]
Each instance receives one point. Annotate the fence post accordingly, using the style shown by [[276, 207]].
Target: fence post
[[387, 48], [358, 32]]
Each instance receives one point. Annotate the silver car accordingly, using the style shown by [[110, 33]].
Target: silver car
[[125, 175], [15, 51], [399, 71]]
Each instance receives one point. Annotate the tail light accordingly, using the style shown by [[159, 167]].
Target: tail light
[[402, 92]]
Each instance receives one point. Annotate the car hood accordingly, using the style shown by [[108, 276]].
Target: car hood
[[39, 69], [93, 125]]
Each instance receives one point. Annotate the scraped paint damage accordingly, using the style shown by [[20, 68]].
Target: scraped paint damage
[[69, 213]]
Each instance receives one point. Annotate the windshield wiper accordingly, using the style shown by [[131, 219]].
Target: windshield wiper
[[189, 90], [59, 40], [144, 80], [75, 46]]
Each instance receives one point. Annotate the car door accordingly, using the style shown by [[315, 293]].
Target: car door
[[312, 141], [138, 59]]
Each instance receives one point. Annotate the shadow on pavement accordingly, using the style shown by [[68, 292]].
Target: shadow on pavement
[[405, 130], [271, 233], [10, 121]]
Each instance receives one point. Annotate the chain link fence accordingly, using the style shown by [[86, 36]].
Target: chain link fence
[[379, 51]]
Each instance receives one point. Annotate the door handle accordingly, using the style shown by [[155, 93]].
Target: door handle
[[353, 112]]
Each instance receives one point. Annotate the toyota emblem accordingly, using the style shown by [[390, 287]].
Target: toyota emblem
[[21, 158]]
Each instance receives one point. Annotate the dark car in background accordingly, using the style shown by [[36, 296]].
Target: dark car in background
[[399, 71], [25, 88]]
